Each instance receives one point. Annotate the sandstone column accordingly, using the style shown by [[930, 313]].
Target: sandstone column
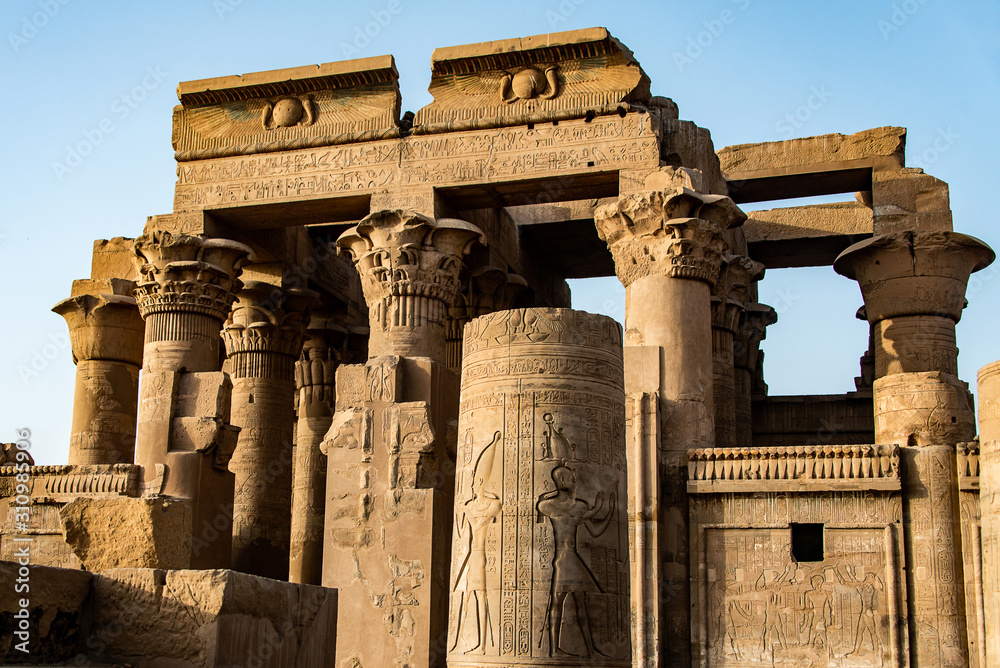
[[989, 498], [263, 339], [728, 297], [314, 383], [752, 330], [186, 288], [540, 567], [667, 249], [390, 450], [913, 284], [106, 333]]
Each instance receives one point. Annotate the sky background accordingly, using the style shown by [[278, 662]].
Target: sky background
[[98, 80]]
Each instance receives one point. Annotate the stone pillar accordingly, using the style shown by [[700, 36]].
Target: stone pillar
[[728, 297], [752, 330], [106, 333], [667, 248], [263, 339], [540, 566], [486, 290], [391, 447], [315, 372], [913, 284], [184, 440], [409, 266], [989, 499]]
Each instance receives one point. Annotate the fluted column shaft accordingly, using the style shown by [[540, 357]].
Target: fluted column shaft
[[913, 284], [667, 248], [263, 339], [106, 333]]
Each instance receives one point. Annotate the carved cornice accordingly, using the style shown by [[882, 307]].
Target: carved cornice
[[266, 320], [805, 468], [672, 233], [914, 273], [67, 482], [401, 255], [190, 274]]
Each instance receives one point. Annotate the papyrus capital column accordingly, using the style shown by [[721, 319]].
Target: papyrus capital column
[[106, 336], [913, 284], [409, 266], [184, 440], [728, 305], [263, 338], [315, 399], [668, 251], [746, 353]]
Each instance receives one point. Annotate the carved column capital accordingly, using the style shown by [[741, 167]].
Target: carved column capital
[[315, 371], [674, 233], [186, 273], [264, 331], [104, 321], [753, 330], [486, 289], [409, 266], [914, 273]]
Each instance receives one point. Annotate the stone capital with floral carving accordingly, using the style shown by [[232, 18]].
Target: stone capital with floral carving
[[104, 322], [267, 320], [409, 266], [187, 273], [673, 233]]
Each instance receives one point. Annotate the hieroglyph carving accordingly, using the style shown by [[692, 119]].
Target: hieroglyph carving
[[540, 565]]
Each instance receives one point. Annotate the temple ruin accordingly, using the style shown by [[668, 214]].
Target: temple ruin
[[335, 409]]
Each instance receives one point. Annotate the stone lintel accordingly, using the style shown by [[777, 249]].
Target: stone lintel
[[819, 165], [806, 236], [318, 105], [532, 79]]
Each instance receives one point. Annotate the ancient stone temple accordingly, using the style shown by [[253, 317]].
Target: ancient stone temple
[[335, 409]]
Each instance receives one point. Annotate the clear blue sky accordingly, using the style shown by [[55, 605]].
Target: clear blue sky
[[106, 73]]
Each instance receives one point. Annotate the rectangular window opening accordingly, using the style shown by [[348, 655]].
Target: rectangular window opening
[[807, 542]]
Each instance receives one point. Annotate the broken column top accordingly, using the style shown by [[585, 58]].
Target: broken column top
[[544, 77], [277, 110]]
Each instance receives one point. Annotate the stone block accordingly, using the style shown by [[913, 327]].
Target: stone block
[[128, 533], [53, 599], [213, 618], [205, 394], [112, 259]]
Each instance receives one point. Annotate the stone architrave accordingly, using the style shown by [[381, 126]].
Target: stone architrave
[[487, 289], [913, 284], [540, 565], [667, 247], [315, 374], [989, 495], [106, 334], [409, 266], [263, 338], [184, 441], [728, 311], [752, 330]]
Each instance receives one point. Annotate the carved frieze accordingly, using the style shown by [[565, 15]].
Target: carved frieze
[[793, 468]]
